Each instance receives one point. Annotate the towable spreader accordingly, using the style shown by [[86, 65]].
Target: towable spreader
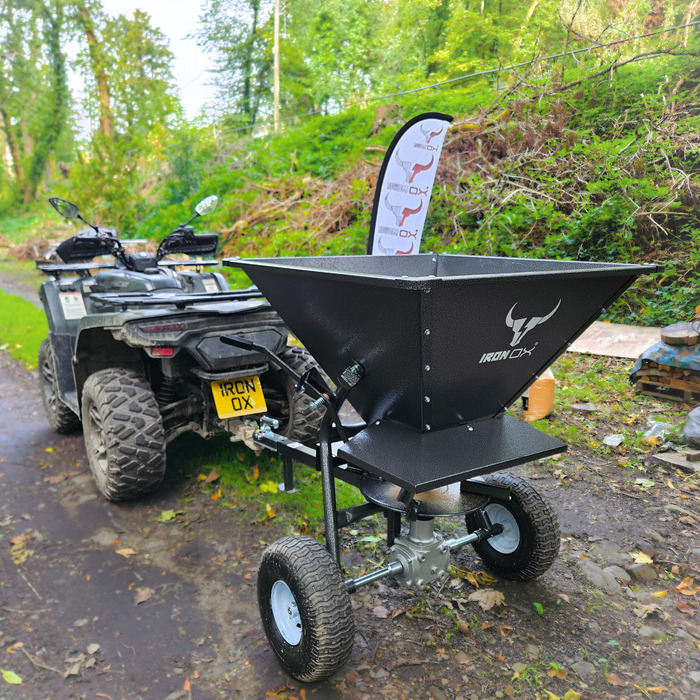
[[430, 350]]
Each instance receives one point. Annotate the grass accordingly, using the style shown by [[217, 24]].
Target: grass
[[22, 328], [251, 480], [22, 271]]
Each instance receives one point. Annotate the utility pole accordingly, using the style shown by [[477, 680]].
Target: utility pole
[[277, 66]]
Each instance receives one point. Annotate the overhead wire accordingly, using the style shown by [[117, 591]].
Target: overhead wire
[[478, 74]]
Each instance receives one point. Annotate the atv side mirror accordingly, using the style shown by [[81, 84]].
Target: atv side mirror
[[65, 208], [207, 205]]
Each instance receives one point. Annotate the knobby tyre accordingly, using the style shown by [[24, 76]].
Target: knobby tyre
[[305, 608], [530, 541], [60, 417], [124, 436]]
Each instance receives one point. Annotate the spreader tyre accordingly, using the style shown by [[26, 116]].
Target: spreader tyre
[[299, 420], [123, 431], [305, 608], [529, 543], [60, 417]]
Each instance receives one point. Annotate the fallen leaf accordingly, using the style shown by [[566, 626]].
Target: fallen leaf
[[50, 449], [252, 475], [641, 558], [502, 630], [213, 476], [687, 586], [509, 690], [103, 695], [550, 696], [564, 597], [196, 674], [142, 595], [216, 496], [642, 611], [56, 479], [73, 670], [186, 686], [380, 611], [614, 679], [652, 440], [396, 613], [11, 677], [80, 623], [126, 552], [270, 513], [463, 626], [487, 598], [658, 690], [90, 662], [166, 516], [572, 695], [201, 477]]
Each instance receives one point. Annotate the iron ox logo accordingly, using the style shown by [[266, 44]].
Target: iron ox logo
[[520, 327]]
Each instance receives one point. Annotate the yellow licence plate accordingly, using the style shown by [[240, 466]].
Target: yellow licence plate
[[238, 397]]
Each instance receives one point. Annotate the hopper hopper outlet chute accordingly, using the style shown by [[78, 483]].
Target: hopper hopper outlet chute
[[430, 350]]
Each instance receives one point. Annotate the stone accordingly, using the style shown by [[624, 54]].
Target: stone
[[532, 651], [379, 674], [219, 670], [656, 536], [610, 553], [585, 408], [105, 537], [518, 667], [436, 693], [618, 572], [598, 577], [177, 695], [642, 572], [694, 676], [695, 554], [584, 668], [593, 626], [646, 547], [649, 632], [643, 597]]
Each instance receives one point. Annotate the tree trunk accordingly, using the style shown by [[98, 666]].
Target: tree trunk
[[14, 148], [98, 70]]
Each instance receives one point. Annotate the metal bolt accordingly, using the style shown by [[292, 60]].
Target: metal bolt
[[427, 368], [433, 569], [427, 427], [420, 583], [434, 259], [470, 429], [427, 399], [422, 557], [427, 331], [377, 423]]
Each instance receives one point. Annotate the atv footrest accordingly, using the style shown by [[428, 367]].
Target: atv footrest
[[423, 461]]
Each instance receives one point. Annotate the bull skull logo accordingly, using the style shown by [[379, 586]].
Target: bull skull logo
[[430, 135], [522, 326], [401, 213], [392, 251], [412, 169]]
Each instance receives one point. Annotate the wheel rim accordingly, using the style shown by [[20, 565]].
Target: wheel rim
[[286, 613], [48, 380], [96, 438], [509, 540]]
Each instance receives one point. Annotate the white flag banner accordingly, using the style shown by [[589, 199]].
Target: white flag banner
[[405, 185]]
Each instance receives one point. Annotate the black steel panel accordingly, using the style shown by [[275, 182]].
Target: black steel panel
[[423, 461], [443, 339]]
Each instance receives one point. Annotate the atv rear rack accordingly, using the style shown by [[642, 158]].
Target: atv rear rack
[[82, 269], [126, 299]]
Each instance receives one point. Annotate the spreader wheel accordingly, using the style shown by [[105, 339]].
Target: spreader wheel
[[529, 543], [305, 608]]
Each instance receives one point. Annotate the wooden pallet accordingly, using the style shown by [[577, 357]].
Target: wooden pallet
[[666, 392]]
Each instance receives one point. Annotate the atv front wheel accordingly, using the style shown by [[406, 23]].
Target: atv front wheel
[[60, 417], [298, 419], [530, 540], [124, 436]]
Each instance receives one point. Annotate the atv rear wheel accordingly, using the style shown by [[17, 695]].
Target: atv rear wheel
[[60, 417], [124, 436], [298, 420]]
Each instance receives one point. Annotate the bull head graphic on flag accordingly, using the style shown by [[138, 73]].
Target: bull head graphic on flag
[[413, 169], [405, 185]]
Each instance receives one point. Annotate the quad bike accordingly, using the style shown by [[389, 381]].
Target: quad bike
[[134, 356], [431, 350]]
